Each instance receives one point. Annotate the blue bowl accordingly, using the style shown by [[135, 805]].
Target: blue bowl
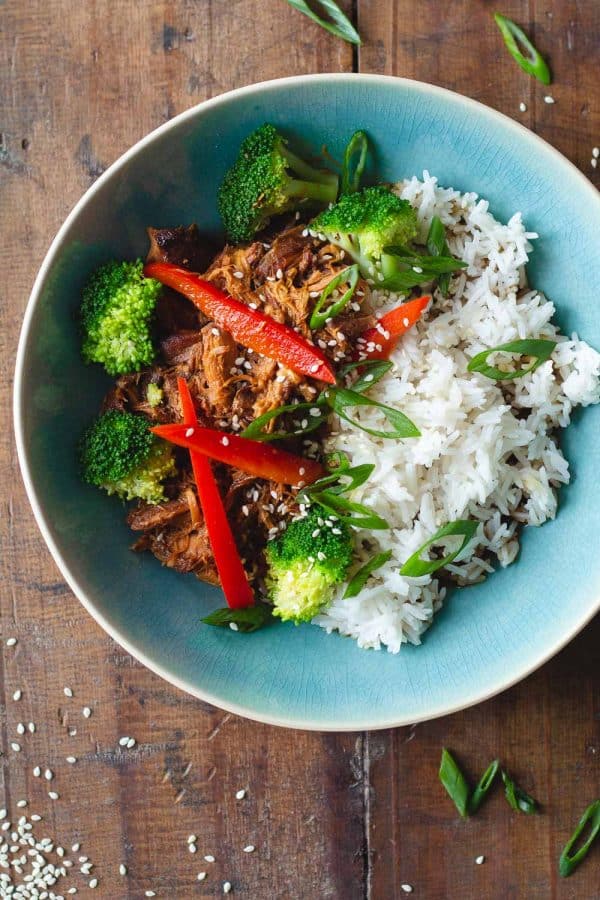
[[487, 637]]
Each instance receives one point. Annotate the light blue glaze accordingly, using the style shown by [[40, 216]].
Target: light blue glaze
[[487, 636]]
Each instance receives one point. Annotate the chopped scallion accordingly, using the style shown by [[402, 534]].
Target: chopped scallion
[[319, 315], [454, 781], [516, 797], [360, 578], [484, 786], [569, 861], [539, 349], [337, 22], [522, 50], [251, 618], [358, 145], [415, 566]]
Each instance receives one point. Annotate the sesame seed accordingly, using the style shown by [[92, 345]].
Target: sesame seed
[[20, 728], [67, 692], [316, 533], [16, 747], [209, 858], [131, 743], [549, 99], [314, 367], [279, 274], [249, 849], [234, 626], [226, 887], [315, 411], [201, 876], [192, 847], [72, 732], [594, 162], [17, 695], [86, 711], [418, 270], [407, 888], [301, 471], [21, 804], [150, 894], [480, 860], [523, 107], [225, 441], [71, 760], [122, 869], [189, 432], [240, 794], [11, 642], [215, 332], [37, 772], [192, 839], [48, 774], [31, 727], [238, 274], [595, 154], [123, 741], [2, 813], [53, 795], [75, 847]]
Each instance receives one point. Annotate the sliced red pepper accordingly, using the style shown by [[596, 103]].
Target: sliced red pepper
[[234, 580], [247, 326], [395, 322], [254, 457]]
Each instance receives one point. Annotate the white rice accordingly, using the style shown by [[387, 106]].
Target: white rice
[[487, 449]]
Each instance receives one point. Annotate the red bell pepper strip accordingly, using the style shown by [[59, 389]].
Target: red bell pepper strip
[[395, 323], [253, 457], [234, 580], [247, 326]]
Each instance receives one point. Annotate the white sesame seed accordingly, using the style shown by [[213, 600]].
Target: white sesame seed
[[523, 107], [192, 847], [240, 794], [201, 876], [314, 367], [67, 692], [209, 858], [11, 642], [150, 894], [86, 711], [418, 270], [36, 771], [131, 743], [192, 839], [594, 162], [595, 154], [75, 847], [279, 274], [234, 626], [480, 860], [53, 795], [249, 849], [21, 804], [549, 99], [2, 813], [16, 747], [71, 760], [31, 727], [36, 818], [20, 728], [123, 741], [72, 890], [407, 888], [122, 869], [72, 732], [17, 695], [48, 774], [225, 441], [226, 887], [238, 274], [189, 432]]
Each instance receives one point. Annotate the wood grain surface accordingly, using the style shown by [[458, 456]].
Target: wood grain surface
[[344, 817]]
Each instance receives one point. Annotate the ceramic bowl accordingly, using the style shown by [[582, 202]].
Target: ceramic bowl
[[487, 637]]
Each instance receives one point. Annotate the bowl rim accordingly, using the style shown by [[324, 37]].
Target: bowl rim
[[307, 724]]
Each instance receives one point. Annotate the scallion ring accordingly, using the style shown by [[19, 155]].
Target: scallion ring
[[355, 514], [315, 415], [517, 798], [437, 246], [569, 861], [484, 786], [371, 371], [455, 782], [360, 578], [530, 60], [343, 399], [319, 315], [415, 566], [358, 145], [539, 349]]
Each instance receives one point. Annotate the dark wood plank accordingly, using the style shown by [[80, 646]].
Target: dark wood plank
[[546, 729]]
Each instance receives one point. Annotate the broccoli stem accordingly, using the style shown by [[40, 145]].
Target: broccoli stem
[[308, 173], [310, 190]]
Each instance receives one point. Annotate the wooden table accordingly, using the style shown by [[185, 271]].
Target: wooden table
[[348, 816]]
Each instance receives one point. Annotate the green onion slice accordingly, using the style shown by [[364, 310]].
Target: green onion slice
[[517, 798], [484, 786], [356, 475], [251, 618], [360, 578], [428, 268], [319, 316], [358, 145], [256, 429], [539, 349], [454, 781], [569, 861], [336, 23], [355, 514], [371, 371], [343, 399], [415, 566], [522, 50], [437, 246]]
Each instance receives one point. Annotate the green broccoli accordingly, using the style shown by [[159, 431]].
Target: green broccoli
[[119, 454], [267, 179], [366, 222], [117, 308], [305, 563]]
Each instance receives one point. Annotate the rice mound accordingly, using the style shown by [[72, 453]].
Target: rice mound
[[488, 449]]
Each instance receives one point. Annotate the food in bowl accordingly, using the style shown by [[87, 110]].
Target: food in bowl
[[346, 409]]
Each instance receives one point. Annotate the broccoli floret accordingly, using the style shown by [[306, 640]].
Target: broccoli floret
[[305, 564], [267, 179], [366, 222], [117, 308], [119, 454]]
